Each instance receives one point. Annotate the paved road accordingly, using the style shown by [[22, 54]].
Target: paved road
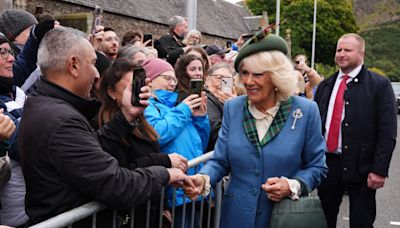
[[388, 198]]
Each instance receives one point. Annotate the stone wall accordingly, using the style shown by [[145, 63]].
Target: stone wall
[[119, 23]]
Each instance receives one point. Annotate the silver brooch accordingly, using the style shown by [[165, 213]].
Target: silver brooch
[[297, 114]]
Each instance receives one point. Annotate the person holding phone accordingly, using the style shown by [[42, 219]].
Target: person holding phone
[[192, 38], [140, 148], [220, 88], [188, 67], [311, 76], [183, 127], [202, 54]]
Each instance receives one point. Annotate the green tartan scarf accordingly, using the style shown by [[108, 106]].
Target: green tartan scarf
[[249, 123]]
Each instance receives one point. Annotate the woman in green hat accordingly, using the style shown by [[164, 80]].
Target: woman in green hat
[[270, 141]]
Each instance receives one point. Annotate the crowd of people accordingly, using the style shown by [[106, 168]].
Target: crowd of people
[[70, 132]]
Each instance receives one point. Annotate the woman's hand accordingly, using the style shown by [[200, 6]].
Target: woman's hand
[[7, 126], [132, 112], [194, 191], [276, 188], [178, 179], [197, 104], [178, 161], [202, 108], [223, 96]]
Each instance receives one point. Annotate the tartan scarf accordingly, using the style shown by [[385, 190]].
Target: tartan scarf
[[249, 123]]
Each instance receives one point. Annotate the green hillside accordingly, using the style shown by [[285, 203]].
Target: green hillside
[[379, 23], [383, 48]]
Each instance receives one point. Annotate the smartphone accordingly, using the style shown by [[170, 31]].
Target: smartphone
[[228, 44], [227, 85], [195, 86], [96, 18], [147, 37], [138, 81]]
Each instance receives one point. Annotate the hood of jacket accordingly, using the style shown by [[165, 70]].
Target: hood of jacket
[[166, 97]]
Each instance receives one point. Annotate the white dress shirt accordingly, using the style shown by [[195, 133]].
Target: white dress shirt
[[335, 89]]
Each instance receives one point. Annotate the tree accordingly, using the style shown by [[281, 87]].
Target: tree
[[334, 18]]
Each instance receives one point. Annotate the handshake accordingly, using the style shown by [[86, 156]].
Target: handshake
[[192, 185]]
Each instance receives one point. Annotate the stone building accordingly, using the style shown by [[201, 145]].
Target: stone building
[[218, 20]]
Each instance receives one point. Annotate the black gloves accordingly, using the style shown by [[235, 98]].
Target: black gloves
[[42, 28]]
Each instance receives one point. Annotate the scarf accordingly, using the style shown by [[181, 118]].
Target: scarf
[[6, 85]]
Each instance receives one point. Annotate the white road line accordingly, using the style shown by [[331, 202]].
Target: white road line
[[346, 218], [394, 223]]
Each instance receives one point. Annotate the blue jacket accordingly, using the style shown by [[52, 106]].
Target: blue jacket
[[179, 131], [293, 153]]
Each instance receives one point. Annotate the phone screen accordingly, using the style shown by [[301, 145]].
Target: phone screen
[[147, 37], [138, 81], [195, 86], [226, 85]]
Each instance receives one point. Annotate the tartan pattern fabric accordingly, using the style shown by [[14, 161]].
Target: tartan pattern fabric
[[249, 123]]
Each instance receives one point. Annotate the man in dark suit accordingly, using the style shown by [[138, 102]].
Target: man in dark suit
[[170, 46], [360, 126]]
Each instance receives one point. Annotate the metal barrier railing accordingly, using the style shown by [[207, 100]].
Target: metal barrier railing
[[67, 219]]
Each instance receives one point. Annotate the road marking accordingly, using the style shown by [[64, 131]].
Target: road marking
[[394, 223], [346, 218]]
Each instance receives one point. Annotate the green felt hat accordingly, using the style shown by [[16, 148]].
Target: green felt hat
[[261, 42]]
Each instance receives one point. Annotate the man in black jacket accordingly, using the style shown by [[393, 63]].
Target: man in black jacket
[[360, 125], [62, 159], [171, 43]]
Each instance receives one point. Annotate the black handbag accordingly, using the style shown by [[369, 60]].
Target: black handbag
[[306, 212]]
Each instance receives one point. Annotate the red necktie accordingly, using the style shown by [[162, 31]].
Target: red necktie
[[333, 135]]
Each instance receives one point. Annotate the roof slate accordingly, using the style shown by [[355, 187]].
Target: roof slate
[[214, 17]]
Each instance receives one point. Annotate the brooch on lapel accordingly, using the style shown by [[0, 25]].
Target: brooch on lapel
[[297, 114]]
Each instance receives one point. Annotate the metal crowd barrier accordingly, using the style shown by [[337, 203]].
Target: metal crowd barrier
[[67, 219]]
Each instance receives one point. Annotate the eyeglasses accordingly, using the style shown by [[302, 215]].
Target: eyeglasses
[[5, 53], [169, 78], [219, 76]]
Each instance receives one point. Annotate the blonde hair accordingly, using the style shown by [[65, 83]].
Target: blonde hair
[[191, 33], [357, 37], [281, 69]]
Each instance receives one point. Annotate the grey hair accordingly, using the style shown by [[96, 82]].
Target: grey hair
[[191, 33], [56, 47], [221, 65], [175, 20], [129, 50]]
